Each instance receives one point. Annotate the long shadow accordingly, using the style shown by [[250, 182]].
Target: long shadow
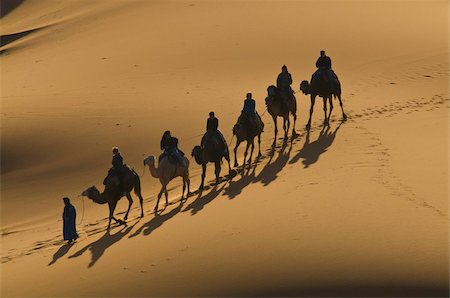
[[267, 175], [157, 221], [99, 247], [248, 176], [201, 201], [6, 6], [270, 171], [311, 151], [62, 251]]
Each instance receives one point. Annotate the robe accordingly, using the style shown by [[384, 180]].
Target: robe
[[69, 228]]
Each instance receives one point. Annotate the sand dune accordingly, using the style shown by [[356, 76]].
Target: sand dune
[[359, 208]]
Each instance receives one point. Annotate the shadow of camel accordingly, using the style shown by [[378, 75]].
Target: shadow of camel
[[267, 175], [99, 247], [270, 171], [201, 201], [248, 176], [62, 251], [311, 151], [157, 221]]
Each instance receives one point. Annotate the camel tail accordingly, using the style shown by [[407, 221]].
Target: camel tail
[[137, 185]]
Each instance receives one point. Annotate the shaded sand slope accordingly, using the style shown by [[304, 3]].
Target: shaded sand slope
[[358, 208], [107, 73]]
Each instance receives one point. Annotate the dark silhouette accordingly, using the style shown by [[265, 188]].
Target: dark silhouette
[[117, 168], [212, 151], [169, 145], [325, 84], [311, 151], [277, 107], [249, 126], [112, 194], [212, 129], [284, 82], [69, 221], [323, 62], [167, 171]]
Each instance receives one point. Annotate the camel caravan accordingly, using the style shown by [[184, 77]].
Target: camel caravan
[[172, 163]]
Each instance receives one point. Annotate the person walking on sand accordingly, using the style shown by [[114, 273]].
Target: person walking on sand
[[69, 217]]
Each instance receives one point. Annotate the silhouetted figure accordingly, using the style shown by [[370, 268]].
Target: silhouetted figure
[[249, 115], [323, 62], [169, 145], [69, 225], [284, 82], [117, 167], [212, 129]]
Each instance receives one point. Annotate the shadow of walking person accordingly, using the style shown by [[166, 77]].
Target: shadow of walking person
[[99, 247], [311, 151], [62, 251]]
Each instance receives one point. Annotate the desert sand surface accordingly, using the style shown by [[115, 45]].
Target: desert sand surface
[[356, 208]]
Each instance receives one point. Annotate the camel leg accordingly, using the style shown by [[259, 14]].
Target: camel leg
[[342, 108], [217, 170], [227, 157], [166, 194], [331, 106], [245, 154], [238, 142], [184, 188], [203, 177], [276, 130], [188, 181], [284, 127], [159, 197], [130, 202], [325, 109], [294, 114], [311, 109], [112, 208], [137, 191], [251, 151], [288, 126], [259, 146]]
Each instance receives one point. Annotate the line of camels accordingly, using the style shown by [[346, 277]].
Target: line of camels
[[214, 152]]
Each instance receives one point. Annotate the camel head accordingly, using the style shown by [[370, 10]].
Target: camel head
[[197, 154], [304, 86], [94, 194], [149, 160], [271, 94]]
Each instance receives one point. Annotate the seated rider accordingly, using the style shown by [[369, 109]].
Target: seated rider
[[284, 81], [170, 146], [323, 63], [249, 113], [212, 128], [117, 165]]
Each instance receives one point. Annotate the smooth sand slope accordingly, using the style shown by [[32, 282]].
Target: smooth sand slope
[[358, 208]]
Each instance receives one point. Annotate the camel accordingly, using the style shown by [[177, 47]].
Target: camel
[[165, 172], [246, 133], [112, 194], [319, 87], [213, 151], [277, 107]]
